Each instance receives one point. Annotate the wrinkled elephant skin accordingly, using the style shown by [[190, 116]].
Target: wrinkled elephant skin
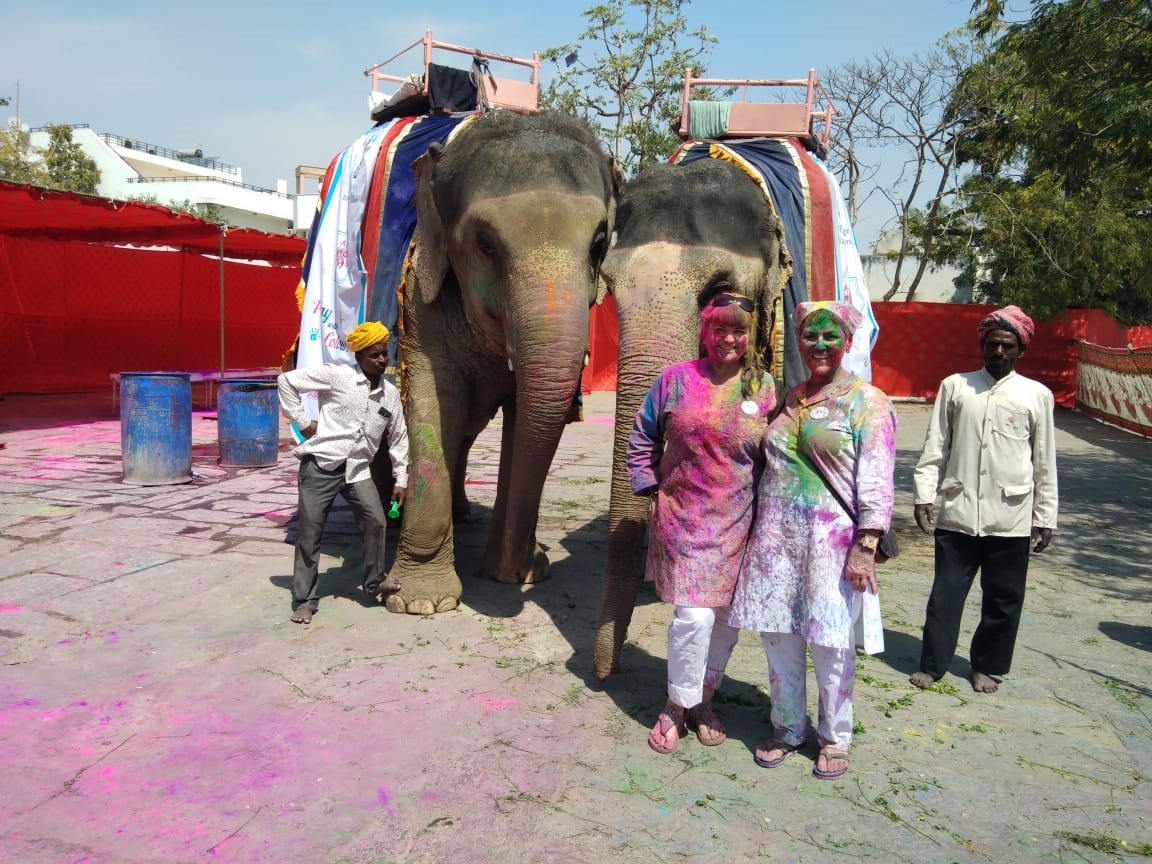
[[685, 233], [513, 218]]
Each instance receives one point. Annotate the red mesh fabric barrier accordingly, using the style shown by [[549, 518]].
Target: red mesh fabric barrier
[[921, 343], [1140, 337], [72, 313], [603, 344]]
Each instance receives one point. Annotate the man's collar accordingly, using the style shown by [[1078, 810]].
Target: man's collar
[[993, 380]]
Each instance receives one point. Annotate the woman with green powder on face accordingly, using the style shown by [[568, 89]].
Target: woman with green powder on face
[[823, 503]]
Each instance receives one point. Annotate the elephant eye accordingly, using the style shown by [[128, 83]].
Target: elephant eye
[[485, 245], [598, 248]]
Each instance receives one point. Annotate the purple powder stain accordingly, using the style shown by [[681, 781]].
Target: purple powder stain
[[385, 800], [500, 704], [10, 607], [433, 796]]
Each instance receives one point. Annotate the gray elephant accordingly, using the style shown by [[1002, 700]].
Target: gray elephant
[[684, 234], [513, 220]]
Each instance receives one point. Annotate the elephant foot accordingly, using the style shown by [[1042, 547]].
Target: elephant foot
[[537, 570], [420, 605], [427, 584]]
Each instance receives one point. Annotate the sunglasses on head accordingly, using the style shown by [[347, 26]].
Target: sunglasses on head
[[744, 303]]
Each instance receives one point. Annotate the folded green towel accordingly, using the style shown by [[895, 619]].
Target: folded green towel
[[708, 119]]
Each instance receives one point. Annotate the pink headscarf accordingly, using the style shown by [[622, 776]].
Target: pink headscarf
[[848, 316], [1011, 318]]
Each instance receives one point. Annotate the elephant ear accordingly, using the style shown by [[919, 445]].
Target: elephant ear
[[430, 261], [617, 176]]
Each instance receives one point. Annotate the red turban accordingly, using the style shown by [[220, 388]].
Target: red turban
[[1011, 318]]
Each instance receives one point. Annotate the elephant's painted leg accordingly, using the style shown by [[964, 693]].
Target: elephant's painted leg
[[425, 563], [461, 506], [622, 575], [534, 566]]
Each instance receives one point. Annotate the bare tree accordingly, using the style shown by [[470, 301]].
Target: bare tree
[[623, 75], [896, 113]]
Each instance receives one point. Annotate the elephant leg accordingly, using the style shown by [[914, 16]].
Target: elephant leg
[[622, 576], [425, 562], [461, 506], [501, 562]]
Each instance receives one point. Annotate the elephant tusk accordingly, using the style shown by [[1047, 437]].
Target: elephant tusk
[[510, 369]]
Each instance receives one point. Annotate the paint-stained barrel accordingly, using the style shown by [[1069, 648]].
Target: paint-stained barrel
[[156, 427], [248, 415]]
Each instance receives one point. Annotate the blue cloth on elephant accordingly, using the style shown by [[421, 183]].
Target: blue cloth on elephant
[[398, 220]]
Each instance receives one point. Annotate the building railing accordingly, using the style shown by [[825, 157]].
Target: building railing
[[190, 156], [202, 179], [69, 125]]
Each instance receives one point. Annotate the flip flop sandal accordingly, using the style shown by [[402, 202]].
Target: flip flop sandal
[[831, 753], [784, 747], [703, 716], [665, 723]]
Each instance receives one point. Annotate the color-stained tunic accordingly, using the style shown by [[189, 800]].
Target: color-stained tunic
[[696, 443], [792, 577]]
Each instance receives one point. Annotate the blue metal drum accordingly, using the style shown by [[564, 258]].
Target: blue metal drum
[[248, 420], [156, 427]]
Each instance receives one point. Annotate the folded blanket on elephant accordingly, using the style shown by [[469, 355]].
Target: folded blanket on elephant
[[366, 206], [390, 214], [825, 262]]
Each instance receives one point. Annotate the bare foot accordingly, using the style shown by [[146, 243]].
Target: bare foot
[[390, 585], [303, 615], [669, 728], [982, 683], [922, 680]]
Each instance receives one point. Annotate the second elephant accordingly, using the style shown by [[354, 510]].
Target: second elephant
[[685, 234]]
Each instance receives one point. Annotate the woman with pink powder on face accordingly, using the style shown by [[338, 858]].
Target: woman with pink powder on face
[[695, 450]]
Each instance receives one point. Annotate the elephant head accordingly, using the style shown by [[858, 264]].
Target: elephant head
[[514, 214], [684, 234]]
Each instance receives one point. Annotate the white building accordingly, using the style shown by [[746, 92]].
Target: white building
[[130, 168], [936, 286]]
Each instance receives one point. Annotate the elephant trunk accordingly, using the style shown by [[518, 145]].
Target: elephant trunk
[[546, 352], [643, 356]]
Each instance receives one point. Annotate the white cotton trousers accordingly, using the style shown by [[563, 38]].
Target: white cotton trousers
[[700, 642], [787, 676]]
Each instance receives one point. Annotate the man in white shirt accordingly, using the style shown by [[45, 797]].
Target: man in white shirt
[[358, 409], [990, 453]]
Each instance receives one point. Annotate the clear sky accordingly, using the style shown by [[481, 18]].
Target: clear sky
[[269, 85]]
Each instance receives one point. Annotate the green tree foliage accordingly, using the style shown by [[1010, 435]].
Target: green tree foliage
[[18, 159], [625, 74], [207, 212], [66, 165], [1057, 122], [60, 165]]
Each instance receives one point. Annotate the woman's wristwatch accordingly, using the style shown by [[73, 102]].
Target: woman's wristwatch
[[868, 542]]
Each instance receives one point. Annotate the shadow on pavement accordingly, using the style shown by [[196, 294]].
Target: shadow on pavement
[[1136, 635]]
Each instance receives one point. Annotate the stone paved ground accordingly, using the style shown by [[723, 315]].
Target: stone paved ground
[[157, 706]]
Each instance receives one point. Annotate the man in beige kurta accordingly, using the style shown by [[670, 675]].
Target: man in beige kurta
[[990, 454]]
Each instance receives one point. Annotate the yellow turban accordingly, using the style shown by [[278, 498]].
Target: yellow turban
[[368, 333]]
